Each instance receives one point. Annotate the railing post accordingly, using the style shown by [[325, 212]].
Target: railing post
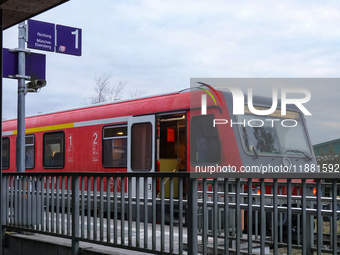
[[2, 185], [238, 216], [3, 206], [75, 215], [334, 230], [191, 217], [306, 222], [263, 216]]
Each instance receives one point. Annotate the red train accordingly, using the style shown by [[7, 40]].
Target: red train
[[181, 131], [162, 133]]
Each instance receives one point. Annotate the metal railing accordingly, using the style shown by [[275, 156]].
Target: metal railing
[[140, 211]]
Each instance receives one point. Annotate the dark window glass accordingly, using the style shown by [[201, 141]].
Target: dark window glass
[[115, 132], [141, 146], [5, 153], [115, 146], [205, 146], [29, 151], [54, 150], [172, 138]]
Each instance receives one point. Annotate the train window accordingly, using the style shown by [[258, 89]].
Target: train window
[[141, 146], [270, 137], [5, 153], [205, 145], [29, 151], [115, 146], [54, 150]]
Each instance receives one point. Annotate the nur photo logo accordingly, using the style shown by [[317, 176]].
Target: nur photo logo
[[204, 97], [238, 100], [239, 107]]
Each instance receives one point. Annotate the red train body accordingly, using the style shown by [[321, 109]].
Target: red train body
[[151, 134]]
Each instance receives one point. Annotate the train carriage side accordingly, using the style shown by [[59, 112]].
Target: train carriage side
[[99, 138], [161, 133], [95, 138]]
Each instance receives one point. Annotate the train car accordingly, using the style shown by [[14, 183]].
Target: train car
[[168, 132], [132, 135]]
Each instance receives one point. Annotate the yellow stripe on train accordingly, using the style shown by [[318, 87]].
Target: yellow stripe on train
[[46, 128]]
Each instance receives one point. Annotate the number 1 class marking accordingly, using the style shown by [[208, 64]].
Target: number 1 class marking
[[75, 33]]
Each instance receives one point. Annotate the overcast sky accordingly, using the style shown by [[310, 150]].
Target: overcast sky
[[159, 45]]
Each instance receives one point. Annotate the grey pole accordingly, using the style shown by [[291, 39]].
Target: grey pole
[[2, 230], [21, 99]]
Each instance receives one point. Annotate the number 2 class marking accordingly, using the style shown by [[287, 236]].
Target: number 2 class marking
[[95, 137]]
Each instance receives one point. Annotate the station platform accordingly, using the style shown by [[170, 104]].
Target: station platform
[[37, 244]]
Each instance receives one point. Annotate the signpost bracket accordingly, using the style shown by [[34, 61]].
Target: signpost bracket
[[17, 76], [20, 50]]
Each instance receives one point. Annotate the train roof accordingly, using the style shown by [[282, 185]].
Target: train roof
[[137, 106], [166, 102], [94, 105]]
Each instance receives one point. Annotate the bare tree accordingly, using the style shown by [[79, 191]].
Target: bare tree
[[105, 91], [136, 93], [116, 91], [101, 88]]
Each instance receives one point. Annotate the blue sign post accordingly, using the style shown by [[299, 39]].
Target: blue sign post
[[35, 65], [10, 63], [41, 35], [18, 65], [68, 40]]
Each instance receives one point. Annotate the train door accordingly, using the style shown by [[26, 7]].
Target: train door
[[141, 152], [171, 146]]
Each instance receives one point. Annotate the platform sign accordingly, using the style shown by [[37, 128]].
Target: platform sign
[[68, 40], [41, 35], [35, 65], [10, 63]]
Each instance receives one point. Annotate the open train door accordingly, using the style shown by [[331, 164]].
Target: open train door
[[141, 152]]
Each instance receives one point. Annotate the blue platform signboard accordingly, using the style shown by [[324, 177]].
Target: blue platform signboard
[[10, 63], [35, 65], [68, 40], [41, 35]]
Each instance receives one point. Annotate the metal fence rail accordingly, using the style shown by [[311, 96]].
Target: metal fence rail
[[175, 213]]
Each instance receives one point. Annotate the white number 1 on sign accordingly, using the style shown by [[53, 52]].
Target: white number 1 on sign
[[76, 40]]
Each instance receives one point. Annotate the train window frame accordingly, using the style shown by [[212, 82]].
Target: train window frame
[[147, 161], [211, 133], [33, 145], [6, 167], [62, 147], [114, 138]]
